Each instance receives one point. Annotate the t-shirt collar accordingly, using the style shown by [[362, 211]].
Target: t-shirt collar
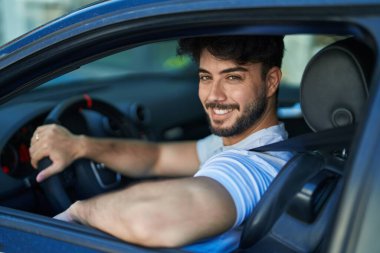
[[260, 138]]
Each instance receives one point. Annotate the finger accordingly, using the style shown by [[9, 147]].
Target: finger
[[34, 146], [36, 154], [39, 149], [34, 159], [42, 128], [41, 176], [37, 134], [34, 138], [65, 216], [32, 156], [48, 172]]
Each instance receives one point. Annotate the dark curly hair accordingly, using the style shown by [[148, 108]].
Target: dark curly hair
[[267, 50]]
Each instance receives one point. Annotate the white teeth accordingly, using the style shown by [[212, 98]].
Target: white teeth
[[221, 112]]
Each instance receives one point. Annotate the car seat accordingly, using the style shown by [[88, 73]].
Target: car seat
[[298, 209]]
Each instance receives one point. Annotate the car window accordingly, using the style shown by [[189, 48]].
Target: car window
[[161, 57], [298, 51], [152, 58]]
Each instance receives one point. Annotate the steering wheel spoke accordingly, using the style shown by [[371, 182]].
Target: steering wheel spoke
[[90, 178]]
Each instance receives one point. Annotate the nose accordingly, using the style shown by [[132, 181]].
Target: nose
[[216, 92]]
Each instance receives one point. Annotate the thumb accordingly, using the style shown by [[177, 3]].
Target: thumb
[[48, 172], [64, 216]]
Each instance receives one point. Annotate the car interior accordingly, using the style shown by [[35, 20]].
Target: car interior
[[118, 96], [160, 104]]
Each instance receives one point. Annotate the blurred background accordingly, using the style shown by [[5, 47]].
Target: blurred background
[[20, 16]]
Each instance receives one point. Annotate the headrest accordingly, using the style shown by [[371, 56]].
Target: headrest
[[334, 85]]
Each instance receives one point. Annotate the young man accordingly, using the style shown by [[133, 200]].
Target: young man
[[238, 84]]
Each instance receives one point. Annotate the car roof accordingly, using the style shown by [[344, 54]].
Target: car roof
[[100, 12]]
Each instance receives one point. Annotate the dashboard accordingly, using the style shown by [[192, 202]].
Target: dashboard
[[15, 158]]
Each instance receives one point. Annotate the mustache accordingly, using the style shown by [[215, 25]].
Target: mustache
[[214, 105]]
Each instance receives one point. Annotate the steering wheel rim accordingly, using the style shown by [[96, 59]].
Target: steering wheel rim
[[53, 186]]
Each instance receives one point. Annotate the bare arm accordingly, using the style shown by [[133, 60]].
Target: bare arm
[[169, 213], [130, 157], [141, 158]]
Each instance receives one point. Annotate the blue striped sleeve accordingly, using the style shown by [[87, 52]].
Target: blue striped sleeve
[[245, 175]]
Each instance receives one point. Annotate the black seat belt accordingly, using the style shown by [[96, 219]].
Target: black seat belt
[[330, 139]]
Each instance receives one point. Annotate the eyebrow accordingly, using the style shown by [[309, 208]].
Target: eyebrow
[[229, 70]]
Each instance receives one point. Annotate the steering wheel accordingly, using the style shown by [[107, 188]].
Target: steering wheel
[[95, 178]]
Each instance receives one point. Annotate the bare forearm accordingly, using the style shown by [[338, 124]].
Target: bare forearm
[[126, 214], [103, 212], [160, 214], [140, 158], [129, 157]]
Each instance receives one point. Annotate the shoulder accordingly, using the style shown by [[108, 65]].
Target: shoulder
[[248, 159], [245, 175], [241, 165], [208, 146]]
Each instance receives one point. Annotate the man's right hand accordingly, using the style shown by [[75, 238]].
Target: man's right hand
[[57, 143]]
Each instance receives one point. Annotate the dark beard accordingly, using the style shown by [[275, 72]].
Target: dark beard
[[251, 114]]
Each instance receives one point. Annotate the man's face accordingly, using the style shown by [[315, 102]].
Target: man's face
[[233, 96]]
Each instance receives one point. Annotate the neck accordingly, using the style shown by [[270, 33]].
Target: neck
[[268, 119]]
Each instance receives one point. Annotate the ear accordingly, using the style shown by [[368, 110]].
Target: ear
[[272, 81]]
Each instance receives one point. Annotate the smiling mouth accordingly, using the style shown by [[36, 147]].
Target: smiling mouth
[[222, 108], [221, 111]]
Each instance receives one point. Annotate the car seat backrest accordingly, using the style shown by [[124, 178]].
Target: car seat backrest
[[298, 207], [335, 84]]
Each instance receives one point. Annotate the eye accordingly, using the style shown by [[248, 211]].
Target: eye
[[234, 78], [204, 78]]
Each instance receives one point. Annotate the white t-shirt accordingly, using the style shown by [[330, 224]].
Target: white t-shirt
[[245, 174]]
